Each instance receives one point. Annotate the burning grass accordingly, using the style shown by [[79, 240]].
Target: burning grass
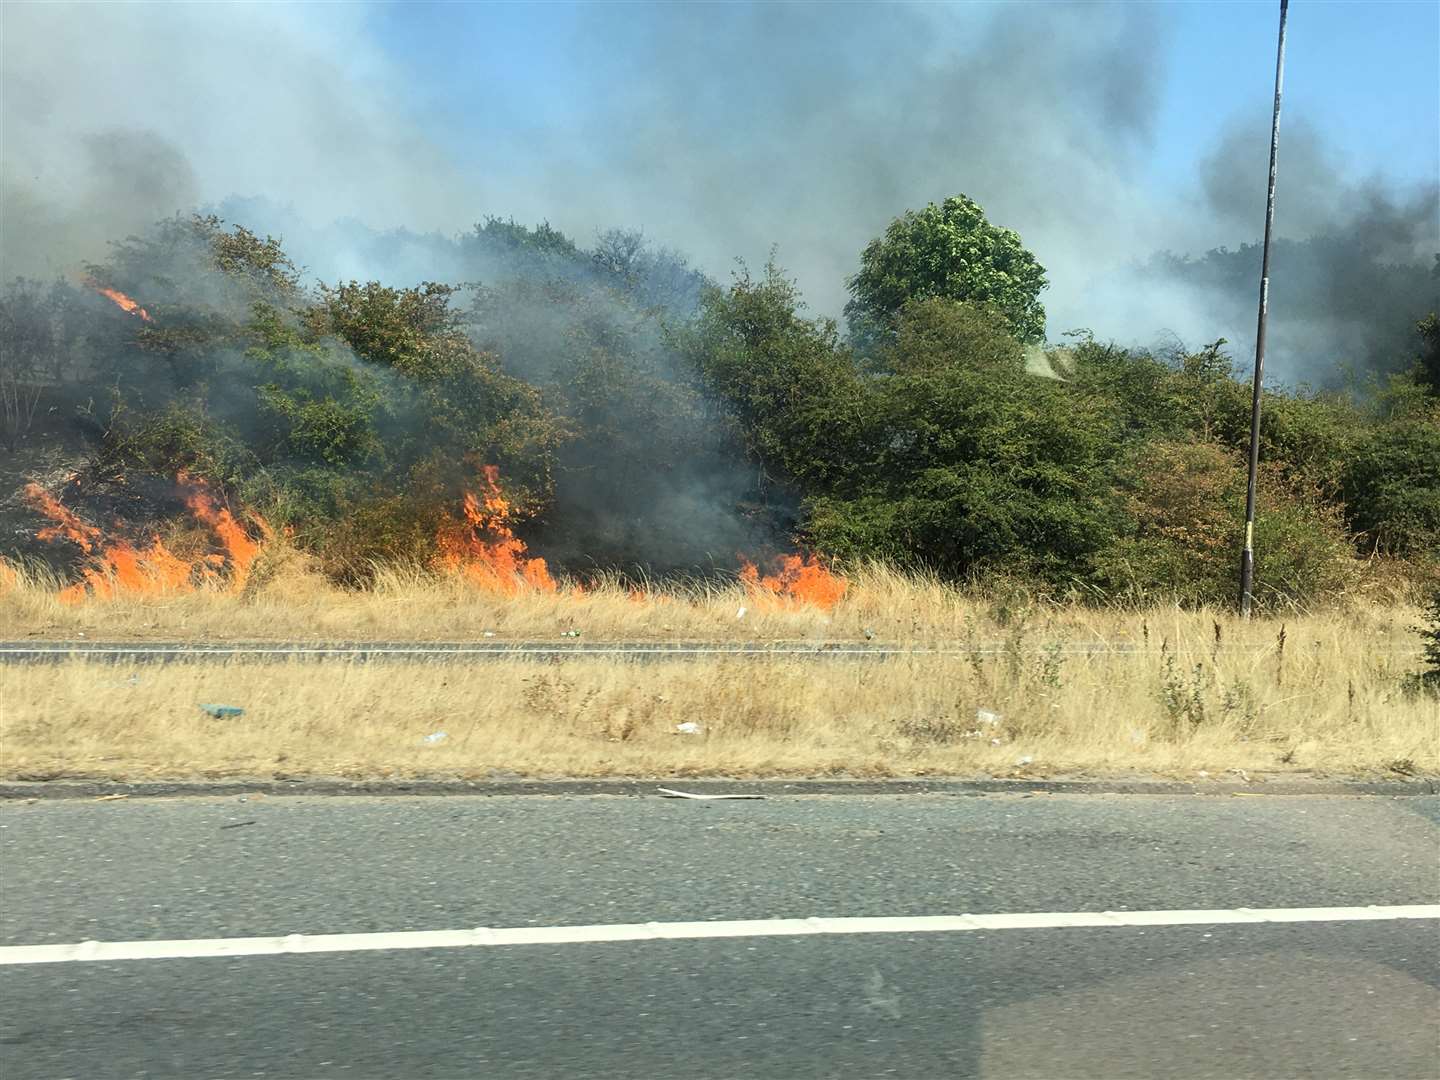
[[284, 599], [475, 547], [115, 566], [1318, 695]]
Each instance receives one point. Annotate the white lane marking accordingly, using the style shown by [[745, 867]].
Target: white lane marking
[[486, 937]]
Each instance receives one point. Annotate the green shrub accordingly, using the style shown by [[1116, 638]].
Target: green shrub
[[1391, 486], [1186, 503]]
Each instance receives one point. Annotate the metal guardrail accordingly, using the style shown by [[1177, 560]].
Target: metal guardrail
[[455, 651]]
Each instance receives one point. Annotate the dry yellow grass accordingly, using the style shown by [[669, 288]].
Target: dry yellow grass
[[285, 602], [1328, 696]]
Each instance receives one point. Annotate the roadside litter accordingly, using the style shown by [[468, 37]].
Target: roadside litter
[[988, 718], [689, 727], [670, 793], [435, 737], [740, 614], [570, 633], [110, 798], [223, 712], [1026, 760]]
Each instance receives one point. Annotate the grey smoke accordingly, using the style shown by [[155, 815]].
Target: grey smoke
[[721, 131], [1352, 269]]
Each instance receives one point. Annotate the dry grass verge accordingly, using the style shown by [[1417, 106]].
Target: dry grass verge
[[1325, 696], [284, 602]]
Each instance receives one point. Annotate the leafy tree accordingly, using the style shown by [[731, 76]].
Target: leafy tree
[[451, 401], [975, 464], [946, 453], [948, 252], [1427, 365], [789, 386], [1391, 486], [933, 335]]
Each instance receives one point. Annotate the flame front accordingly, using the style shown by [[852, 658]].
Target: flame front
[[240, 548], [803, 578], [122, 301], [117, 567], [481, 546]]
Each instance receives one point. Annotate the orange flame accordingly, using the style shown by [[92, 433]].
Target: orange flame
[[483, 548], [67, 525], [801, 578], [240, 548], [124, 302], [118, 567]]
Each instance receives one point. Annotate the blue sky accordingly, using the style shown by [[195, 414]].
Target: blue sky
[[1366, 74]]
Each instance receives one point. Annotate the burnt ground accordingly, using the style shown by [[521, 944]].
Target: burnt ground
[[60, 445], [62, 453]]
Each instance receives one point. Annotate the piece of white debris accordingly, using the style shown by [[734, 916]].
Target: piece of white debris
[[740, 614], [985, 716], [670, 793], [689, 727], [1026, 760], [435, 737]]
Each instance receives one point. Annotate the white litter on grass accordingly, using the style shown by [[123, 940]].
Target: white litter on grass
[[670, 793], [988, 718], [740, 614], [435, 737], [1026, 760], [689, 727]]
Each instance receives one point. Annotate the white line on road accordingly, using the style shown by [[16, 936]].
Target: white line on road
[[484, 937]]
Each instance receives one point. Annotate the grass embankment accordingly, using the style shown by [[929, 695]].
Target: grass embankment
[[285, 601], [1193, 692]]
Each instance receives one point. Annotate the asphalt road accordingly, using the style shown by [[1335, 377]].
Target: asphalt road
[[1311, 999]]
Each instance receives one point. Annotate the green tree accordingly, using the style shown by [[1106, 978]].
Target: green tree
[[1427, 365], [970, 463], [945, 453], [791, 389], [1391, 486], [949, 252], [445, 400]]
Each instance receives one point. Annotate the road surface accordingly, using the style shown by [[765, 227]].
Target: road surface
[[1141, 992]]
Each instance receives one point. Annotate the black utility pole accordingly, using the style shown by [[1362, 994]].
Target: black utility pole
[[1247, 559]]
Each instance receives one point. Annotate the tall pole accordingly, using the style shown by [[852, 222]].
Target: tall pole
[[1247, 558]]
